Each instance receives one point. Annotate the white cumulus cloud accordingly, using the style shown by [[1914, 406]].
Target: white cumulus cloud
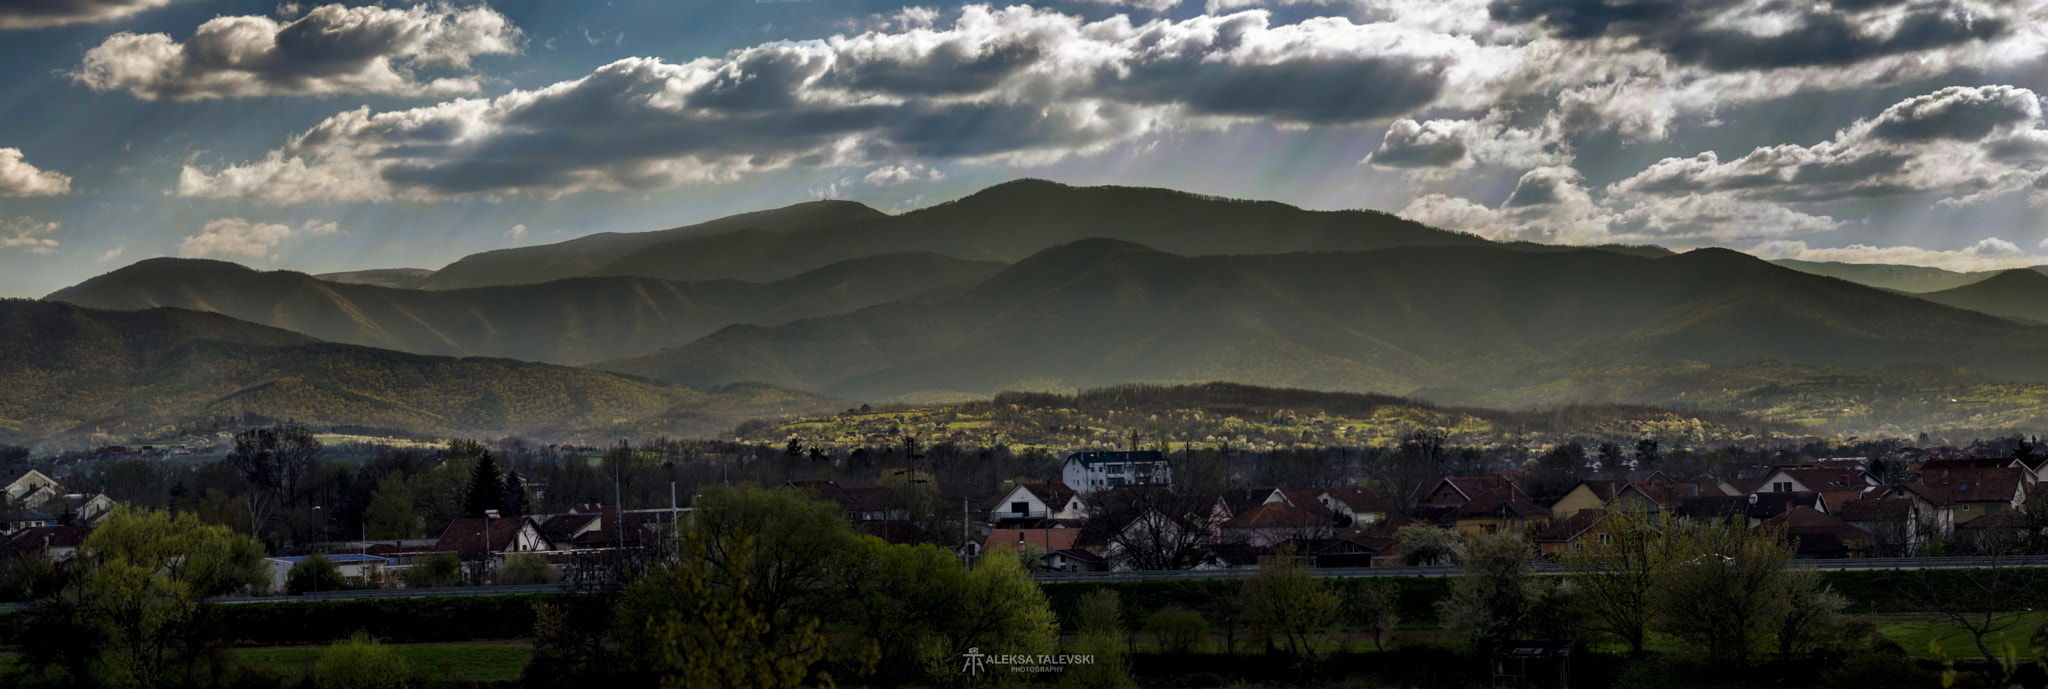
[[29, 234], [18, 178], [333, 49]]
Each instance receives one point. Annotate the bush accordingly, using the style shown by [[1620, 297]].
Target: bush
[[527, 569], [440, 570], [360, 663], [314, 574], [1178, 629]]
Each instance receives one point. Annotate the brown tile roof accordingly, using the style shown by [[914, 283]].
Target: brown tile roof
[[1055, 495], [1945, 487], [38, 537], [562, 527], [1499, 509], [466, 535], [1574, 525], [1669, 495], [1827, 478], [1873, 510], [1237, 500], [1806, 521], [1047, 540]]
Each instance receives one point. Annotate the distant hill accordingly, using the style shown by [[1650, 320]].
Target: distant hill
[[1100, 312], [401, 278], [67, 369], [2020, 294], [1898, 278], [566, 321], [584, 255]]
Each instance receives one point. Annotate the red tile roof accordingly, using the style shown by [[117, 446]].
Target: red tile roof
[[1047, 540], [1275, 514], [466, 535]]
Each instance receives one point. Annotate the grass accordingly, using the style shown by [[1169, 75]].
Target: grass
[[1947, 640], [480, 662]]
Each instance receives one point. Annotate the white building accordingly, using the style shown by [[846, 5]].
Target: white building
[[354, 568], [1087, 472]]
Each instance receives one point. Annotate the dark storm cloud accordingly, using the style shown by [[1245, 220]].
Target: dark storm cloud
[[1833, 34], [1302, 90], [35, 14], [951, 68]]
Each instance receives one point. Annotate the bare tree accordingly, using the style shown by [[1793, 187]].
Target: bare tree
[[1152, 527], [1984, 600], [273, 460]]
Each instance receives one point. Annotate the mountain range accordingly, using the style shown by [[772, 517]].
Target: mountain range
[[1098, 312], [69, 370], [1029, 285], [567, 321]]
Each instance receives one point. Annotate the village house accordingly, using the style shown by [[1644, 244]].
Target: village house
[[471, 537], [1036, 501], [1357, 506], [355, 568], [54, 543], [1582, 530]]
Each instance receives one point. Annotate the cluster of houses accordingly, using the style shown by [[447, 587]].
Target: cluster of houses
[[1831, 508], [37, 514]]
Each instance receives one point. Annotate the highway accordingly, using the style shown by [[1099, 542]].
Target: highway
[[1856, 564]]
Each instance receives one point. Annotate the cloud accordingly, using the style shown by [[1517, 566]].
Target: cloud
[[1153, 5], [1988, 254], [112, 253], [517, 233], [18, 178], [28, 234], [893, 175], [1017, 85], [1409, 144], [1968, 143], [240, 238], [37, 14], [1730, 35], [331, 50]]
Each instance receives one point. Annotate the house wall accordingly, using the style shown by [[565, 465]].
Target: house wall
[[1580, 498]]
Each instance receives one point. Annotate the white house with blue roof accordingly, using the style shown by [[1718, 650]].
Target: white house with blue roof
[[1087, 472]]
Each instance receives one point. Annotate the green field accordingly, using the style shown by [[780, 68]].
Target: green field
[[1945, 640], [479, 662]]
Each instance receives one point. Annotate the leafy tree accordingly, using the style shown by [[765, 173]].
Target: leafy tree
[[1422, 544], [315, 573], [708, 634], [1722, 588], [791, 546], [360, 663], [1000, 610], [140, 585], [444, 569], [1284, 600], [1491, 599], [897, 596], [486, 488], [1374, 607], [1102, 630], [390, 514], [1616, 581], [1811, 610]]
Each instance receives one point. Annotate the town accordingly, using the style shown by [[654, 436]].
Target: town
[[1352, 529]]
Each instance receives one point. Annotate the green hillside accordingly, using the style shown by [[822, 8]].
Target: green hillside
[[1101, 312], [2020, 294], [1897, 278], [581, 256], [566, 321], [71, 370]]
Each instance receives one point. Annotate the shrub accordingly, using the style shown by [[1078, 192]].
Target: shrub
[[314, 574], [1177, 629], [360, 663]]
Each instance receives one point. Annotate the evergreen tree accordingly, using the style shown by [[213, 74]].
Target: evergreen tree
[[514, 502], [486, 488]]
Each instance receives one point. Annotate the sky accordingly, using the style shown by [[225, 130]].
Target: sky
[[352, 136]]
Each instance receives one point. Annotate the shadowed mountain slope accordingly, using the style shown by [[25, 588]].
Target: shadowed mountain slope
[[1098, 312], [566, 321], [64, 368], [2020, 294], [580, 256]]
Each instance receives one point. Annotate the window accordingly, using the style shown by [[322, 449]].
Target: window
[[1782, 487], [1606, 539], [1020, 507]]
